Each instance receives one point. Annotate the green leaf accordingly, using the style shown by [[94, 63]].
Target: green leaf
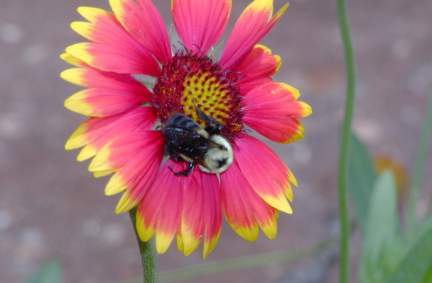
[[419, 168], [428, 276], [414, 235], [383, 221], [382, 246], [48, 273], [417, 264], [361, 178]]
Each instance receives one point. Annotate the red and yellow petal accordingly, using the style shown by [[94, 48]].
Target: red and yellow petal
[[103, 102], [136, 166], [274, 111], [111, 48], [93, 78], [95, 133], [160, 210], [200, 24], [70, 59], [107, 94], [113, 59], [212, 214], [201, 213], [253, 24], [269, 177], [244, 210], [257, 68], [143, 22], [121, 150], [191, 223]]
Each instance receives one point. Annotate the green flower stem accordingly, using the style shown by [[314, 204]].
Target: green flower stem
[[345, 138], [147, 261], [419, 166]]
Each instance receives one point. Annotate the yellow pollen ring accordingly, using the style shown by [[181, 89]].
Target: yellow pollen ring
[[205, 91]]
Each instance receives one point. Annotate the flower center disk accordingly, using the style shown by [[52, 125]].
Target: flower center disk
[[188, 81]]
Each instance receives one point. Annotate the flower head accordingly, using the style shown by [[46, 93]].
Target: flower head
[[172, 125]]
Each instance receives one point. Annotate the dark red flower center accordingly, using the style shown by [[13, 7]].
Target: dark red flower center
[[188, 81]]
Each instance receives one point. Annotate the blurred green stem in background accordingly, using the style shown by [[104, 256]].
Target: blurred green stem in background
[[240, 263], [345, 138], [146, 253], [191, 272], [419, 167]]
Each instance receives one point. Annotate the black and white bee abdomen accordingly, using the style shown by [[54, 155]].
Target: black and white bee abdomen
[[186, 141]]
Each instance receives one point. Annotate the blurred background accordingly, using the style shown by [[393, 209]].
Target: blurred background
[[52, 209]]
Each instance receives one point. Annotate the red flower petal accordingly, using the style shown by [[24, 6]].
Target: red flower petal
[[108, 93], [269, 177], [160, 210], [143, 21], [136, 158], [112, 49], [201, 215], [200, 23], [94, 133], [253, 24], [257, 68], [274, 111], [244, 209]]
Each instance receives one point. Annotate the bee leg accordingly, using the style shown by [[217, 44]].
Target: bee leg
[[190, 166]]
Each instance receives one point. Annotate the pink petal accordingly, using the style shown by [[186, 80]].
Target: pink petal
[[269, 177], [257, 68], [212, 214], [135, 145], [97, 132], [136, 158], [111, 48], [201, 215], [108, 93], [199, 23], [253, 24], [93, 78], [120, 59], [273, 110], [160, 209], [143, 21], [243, 208]]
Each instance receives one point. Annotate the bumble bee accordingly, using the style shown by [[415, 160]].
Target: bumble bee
[[186, 141]]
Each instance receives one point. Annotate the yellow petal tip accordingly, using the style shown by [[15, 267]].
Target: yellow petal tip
[[115, 185], [210, 245], [145, 232], [86, 153], [80, 51], [125, 204], [81, 28], [70, 59], [163, 242], [76, 103], [279, 202], [289, 88], [270, 229], [190, 242], [249, 234], [77, 139], [90, 13], [306, 109], [73, 76]]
